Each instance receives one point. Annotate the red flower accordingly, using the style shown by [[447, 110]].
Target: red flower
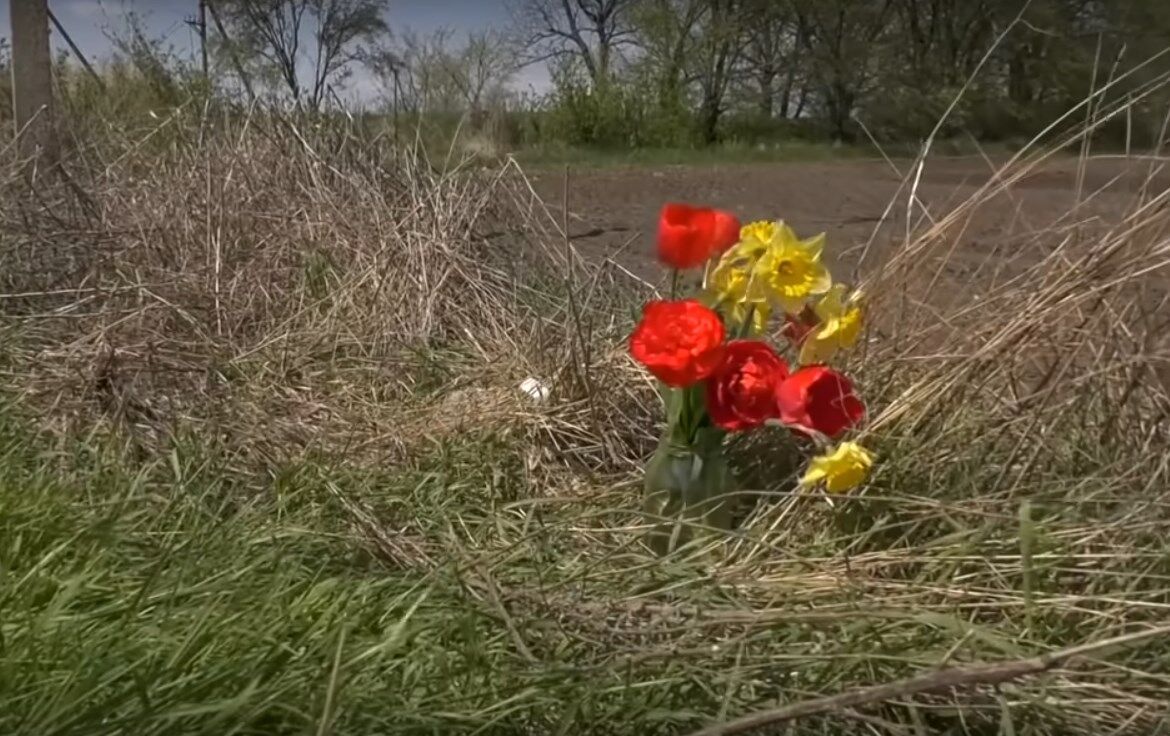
[[795, 329], [688, 236], [741, 394], [680, 342], [819, 399]]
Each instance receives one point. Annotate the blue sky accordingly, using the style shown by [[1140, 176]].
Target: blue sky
[[87, 20]]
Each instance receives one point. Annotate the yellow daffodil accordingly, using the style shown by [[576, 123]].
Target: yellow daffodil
[[769, 267], [838, 325], [844, 468], [729, 287], [760, 231], [731, 280], [790, 270]]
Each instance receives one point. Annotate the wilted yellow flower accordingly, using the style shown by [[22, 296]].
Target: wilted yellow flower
[[769, 267], [729, 285], [843, 469], [838, 325]]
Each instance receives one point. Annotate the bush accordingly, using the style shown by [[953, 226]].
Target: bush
[[756, 129], [616, 114]]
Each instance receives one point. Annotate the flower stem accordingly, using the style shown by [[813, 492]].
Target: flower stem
[[746, 327]]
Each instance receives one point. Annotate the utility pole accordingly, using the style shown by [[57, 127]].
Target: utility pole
[[32, 77], [203, 39], [199, 23]]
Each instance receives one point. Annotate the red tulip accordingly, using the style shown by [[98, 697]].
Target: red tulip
[[796, 328], [819, 399], [680, 342], [689, 236], [741, 393]]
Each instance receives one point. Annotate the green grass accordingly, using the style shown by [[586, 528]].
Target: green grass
[[189, 596]]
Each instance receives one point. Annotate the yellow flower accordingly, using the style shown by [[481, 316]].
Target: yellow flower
[[759, 312], [845, 468], [768, 267], [760, 231], [839, 324], [729, 287], [790, 270]]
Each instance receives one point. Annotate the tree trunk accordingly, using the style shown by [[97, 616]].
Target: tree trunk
[[767, 94], [840, 101], [1019, 86], [709, 120], [602, 70], [786, 93]]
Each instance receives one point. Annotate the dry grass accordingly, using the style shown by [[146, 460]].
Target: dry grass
[[235, 275], [314, 340]]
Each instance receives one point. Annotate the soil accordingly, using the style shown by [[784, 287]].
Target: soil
[[862, 207], [613, 211]]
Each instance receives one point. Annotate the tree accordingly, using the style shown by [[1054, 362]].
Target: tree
[[718, 49], [591, 30], [842, 38], [157, 65], [1049, 57], [419, 68], [692, 46], [771, 55], [943, 40], [273, 32], [665, 37], [480, 69]]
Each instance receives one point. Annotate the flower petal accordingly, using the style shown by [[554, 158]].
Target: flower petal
[[844, 468], [815, 246]]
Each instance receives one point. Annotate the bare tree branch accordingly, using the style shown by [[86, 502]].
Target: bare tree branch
[[272, 31], [592, 31]]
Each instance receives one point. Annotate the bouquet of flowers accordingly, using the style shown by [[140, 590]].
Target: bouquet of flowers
[[719, 375]]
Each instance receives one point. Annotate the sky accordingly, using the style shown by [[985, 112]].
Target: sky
[[88, 21]]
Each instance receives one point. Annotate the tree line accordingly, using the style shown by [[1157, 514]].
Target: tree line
[[687, 72], [843, 67]]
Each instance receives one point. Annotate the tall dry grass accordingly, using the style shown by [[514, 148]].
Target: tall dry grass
[[275, 279]]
